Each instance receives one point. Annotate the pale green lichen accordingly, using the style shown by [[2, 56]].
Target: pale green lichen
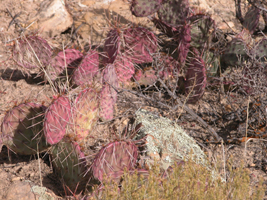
[[41, 191], [169, 139]]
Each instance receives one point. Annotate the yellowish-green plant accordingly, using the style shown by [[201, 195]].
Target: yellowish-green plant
[[187, 181]]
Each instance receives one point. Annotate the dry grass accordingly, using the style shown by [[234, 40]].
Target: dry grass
[[188, 181]]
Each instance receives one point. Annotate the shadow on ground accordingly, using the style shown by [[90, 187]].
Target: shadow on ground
[[16, 75]]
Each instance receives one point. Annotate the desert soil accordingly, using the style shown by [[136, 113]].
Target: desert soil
[[94, 18]]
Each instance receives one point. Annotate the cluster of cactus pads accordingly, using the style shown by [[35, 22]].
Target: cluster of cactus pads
[[127, 50], [242, 45], [62, 129], [190, 33], [130, 54]]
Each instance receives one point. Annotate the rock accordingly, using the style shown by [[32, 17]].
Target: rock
[[167, 139], [52, 19], [25, 190], [95, 23]]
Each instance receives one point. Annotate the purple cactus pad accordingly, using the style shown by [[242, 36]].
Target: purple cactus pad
[[87, 70], [196, 79], [113, 158], [57, 117], [139, 45], [112, 45], [32, 52], [144, 8]]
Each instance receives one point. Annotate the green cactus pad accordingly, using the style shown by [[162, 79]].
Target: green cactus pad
[[70, 165], [260, 50], [235, 52], [212, 63], [201, 28]]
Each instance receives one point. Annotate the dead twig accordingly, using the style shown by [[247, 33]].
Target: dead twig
[[14, 21], [192, 113]]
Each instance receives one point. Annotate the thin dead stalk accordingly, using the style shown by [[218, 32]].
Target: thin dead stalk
[[192, 113], [245, 152]]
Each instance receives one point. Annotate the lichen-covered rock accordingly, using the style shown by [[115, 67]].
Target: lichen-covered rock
[[168, 139]]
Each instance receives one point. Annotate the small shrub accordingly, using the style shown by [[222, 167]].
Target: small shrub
[[189, 181]]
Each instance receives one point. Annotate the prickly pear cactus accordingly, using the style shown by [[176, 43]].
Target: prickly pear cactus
[[113, 158], [264, 16], [144, 8], [174, 12], [112, 45], [22, 129], [87, 70], [196, 79], [166, 67], [69, 58], [108, 95], [201, 30], [86, 111], [251, 19], [110, 76], [107, 102], [139, 44], [235, 52], [260, 49], [165, 28], [69, 164], [57, 117], [183, 39], [124, 68], [212, 63], [32, 52]]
